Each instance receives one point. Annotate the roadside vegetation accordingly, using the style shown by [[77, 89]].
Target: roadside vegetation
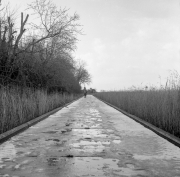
[[38, 71], [17, 107], [158, 106]]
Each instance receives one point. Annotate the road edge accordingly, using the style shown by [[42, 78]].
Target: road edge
[[10, 133], [171, 138]]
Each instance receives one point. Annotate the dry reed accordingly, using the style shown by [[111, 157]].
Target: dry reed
[[160, 107], [18, 107]]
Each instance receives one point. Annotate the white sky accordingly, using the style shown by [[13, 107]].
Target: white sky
[[127, 42]]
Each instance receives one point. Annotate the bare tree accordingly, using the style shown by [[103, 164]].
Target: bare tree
[[9, 42], [56, 27], [81, 73]]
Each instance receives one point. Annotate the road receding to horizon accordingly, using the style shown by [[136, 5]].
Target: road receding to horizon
[[88, 138]]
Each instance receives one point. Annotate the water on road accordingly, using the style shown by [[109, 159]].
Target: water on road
[[88, 139]]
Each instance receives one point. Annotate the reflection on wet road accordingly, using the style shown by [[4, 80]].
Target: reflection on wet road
[[88, 138]]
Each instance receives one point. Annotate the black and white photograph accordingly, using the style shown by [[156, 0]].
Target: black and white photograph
[[89, 88]]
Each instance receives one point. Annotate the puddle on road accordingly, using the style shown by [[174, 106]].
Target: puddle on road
[[86, 143], [89, 132], [90, 146], [96, 126], [94, 112], [90, 143], [7, 152], [116, 141], [94, 119], [97, 166], [89, 150], [151, 147], [82, 125]]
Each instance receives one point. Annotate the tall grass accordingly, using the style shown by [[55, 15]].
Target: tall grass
[[18, 107], [159, 106]]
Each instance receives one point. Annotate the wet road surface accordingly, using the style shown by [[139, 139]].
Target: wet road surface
[[88, 139]]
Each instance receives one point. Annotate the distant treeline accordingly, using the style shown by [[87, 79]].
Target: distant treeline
[[39, 55]]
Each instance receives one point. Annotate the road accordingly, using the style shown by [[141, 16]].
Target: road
[[88, 139]]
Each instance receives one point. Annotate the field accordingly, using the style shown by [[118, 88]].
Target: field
[[19, 106], [160, 107]]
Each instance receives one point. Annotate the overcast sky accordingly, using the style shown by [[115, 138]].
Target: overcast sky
[[127, 42]]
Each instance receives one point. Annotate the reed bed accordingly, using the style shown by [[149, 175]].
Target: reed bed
[[160, 107], [19, 106]]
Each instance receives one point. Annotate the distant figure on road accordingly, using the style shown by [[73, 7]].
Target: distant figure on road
[[85, 92]]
